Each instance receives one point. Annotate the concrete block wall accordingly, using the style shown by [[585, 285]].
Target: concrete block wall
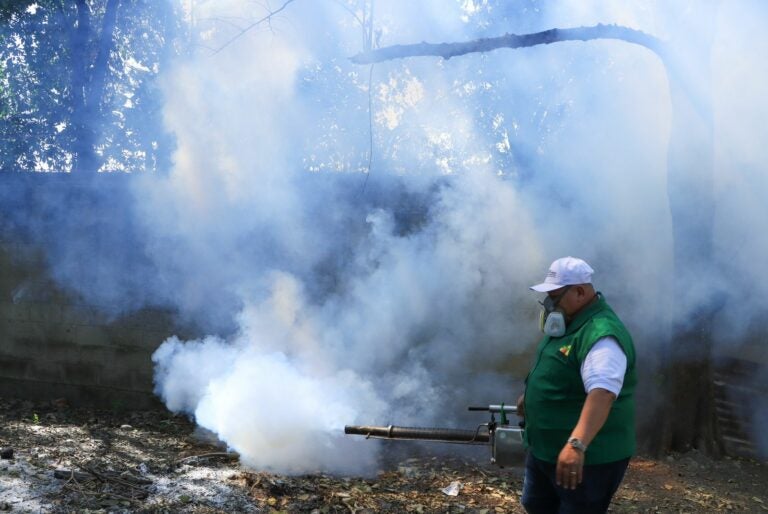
[[53, 350], [52, 346], [76, 357]]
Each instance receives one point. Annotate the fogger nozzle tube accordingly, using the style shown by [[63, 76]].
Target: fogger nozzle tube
[[425, 434]]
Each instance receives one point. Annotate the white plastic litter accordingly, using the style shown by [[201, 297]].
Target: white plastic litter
[[453, 489]]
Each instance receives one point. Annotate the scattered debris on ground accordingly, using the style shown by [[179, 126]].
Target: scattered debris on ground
[[54, 458]]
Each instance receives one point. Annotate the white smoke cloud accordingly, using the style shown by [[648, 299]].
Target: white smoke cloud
[[351, 305], [278, 412]]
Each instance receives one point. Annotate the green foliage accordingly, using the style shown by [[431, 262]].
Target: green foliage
[[35, 418], [55, 110], [10, 8]]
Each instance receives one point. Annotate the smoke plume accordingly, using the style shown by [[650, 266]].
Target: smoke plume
[[350, 310], [342, 277]]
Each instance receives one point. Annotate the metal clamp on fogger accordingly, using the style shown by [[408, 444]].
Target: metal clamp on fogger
[[504, 439]]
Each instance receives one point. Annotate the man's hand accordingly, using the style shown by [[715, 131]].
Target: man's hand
[[570, 467], [521, 406]]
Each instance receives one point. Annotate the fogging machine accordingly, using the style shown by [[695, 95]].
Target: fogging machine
[[505, 440]]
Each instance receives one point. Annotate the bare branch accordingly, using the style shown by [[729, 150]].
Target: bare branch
[[448, 50], [266, 18], [224, 20], [350, 11]]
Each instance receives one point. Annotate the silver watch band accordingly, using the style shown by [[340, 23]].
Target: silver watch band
[[576, 443]]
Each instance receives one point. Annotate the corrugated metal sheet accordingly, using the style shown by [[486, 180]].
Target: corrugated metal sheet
[[738, 388]]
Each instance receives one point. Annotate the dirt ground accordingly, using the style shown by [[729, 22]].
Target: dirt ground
[[59, 459]]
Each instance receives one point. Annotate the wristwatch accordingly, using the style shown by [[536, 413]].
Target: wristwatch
[[576, 443]]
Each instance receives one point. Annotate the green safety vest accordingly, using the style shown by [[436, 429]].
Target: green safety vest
[[554, 394]]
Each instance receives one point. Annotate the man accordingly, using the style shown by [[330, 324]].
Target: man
[[579, 398]]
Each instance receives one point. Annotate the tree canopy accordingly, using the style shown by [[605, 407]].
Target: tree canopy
[[78, 85]]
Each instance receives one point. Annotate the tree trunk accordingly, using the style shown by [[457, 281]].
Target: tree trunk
[[82, 139], [689, 419], [88, 83], [100, 69]]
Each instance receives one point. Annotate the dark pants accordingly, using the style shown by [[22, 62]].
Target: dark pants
[[541, 495]]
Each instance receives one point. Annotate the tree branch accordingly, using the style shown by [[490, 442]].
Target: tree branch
[[448, 50], [266, 18]]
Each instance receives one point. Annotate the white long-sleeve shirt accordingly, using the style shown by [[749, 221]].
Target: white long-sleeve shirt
[[604, 366]]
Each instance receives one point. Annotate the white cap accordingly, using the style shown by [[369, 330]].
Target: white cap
[[565, 271]]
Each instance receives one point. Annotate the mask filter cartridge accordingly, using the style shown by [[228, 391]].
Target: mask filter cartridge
[[554, 324], [551, 320]]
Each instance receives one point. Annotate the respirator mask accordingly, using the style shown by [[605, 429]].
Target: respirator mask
[[551, 319]]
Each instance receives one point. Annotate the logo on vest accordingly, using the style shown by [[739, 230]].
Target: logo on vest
[[566, 350]]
